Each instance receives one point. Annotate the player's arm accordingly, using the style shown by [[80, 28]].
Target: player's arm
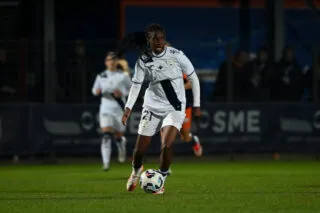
[[188, 69], [137, 81], [195, 85], [127, 84], [96, 89]]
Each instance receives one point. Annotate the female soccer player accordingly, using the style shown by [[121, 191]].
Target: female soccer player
[[164, 102], [113, 87]]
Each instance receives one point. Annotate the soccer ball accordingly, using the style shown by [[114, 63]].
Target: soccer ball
[[151, 181]]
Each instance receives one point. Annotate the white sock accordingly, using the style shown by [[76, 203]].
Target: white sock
[[123, 139], [123, 143], [106, 150]]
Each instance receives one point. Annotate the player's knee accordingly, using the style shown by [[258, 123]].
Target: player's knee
[[106, 129], [118, 135], [107, 137], [186, 136], [182, 137], [166, 144]]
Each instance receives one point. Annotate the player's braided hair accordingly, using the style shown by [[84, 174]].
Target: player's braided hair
[[137, 41], [154, 28]]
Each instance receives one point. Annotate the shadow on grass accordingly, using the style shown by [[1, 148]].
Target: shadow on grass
[[59, 195], [107, 179], [69, 196], [62, 197], [108, 197]]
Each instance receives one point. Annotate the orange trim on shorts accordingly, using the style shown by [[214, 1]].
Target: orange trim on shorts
[[188, 119]]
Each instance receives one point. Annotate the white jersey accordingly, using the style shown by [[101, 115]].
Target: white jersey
[[108, 82], [166, 90]]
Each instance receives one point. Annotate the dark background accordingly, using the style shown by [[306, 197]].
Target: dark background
[[42, 81]]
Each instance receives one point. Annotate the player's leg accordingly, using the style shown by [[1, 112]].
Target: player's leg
[[147, 128], [187, 136], [161, 136], [171, 125], [121, 142], [169, 135], [106, 124], [119, 138], [184, 136], [186, 126], [141, 147]]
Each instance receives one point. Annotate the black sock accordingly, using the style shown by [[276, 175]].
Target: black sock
[[164, 172], [137, 162]]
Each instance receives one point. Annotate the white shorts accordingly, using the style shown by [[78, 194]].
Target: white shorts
[[150, 123], [112, 120]]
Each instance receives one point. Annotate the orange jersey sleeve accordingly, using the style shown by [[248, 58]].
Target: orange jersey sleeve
[[185, 77]]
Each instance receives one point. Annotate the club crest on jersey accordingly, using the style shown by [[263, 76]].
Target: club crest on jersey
[[173, 51], [170, 62]]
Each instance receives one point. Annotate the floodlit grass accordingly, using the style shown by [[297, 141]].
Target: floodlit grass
[[216, 187]]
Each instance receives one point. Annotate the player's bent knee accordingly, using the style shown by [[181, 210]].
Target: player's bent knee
[[118, 135], [107, 136], [106, 129], [107, 140], [185, 136], [166, 144]]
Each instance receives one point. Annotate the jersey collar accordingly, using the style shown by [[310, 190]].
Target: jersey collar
[[160, 54]]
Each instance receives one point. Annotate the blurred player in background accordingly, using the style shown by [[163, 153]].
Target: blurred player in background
[[185, 131], [113, 87], [164, 102], [123, 65]]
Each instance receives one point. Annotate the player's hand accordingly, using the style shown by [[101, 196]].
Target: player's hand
[[188, 85], [125, 116], [197, 112], [117, 93], [98, 91]]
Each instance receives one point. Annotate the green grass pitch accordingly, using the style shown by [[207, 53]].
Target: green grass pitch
[[213, 187]]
